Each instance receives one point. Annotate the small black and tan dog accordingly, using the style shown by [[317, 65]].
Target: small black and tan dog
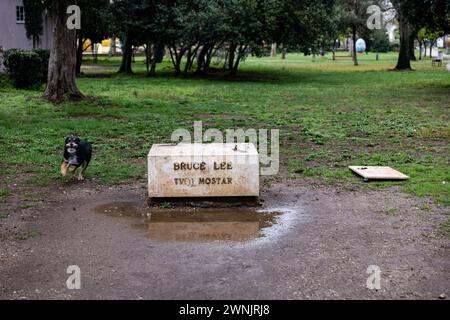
[[77, 153]]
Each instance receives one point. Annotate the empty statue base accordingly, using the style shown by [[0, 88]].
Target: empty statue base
[[213, 170]]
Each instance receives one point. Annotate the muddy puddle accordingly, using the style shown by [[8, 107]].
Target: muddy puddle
[[196, 224]]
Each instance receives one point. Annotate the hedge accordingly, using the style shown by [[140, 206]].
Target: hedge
[[26, 68], [44, 54]]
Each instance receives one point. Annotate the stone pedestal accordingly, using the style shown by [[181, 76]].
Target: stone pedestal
[[203, 170]]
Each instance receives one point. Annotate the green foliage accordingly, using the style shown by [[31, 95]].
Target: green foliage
[[352, 14], [431, 14], [196, 29], [23, 67], [96, 17], [34, 11], [44, 54], [380, 42]]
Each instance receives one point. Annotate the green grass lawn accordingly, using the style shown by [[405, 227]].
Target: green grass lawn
[[330, 115]]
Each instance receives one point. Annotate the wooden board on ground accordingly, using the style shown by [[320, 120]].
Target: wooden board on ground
[[378, 173]]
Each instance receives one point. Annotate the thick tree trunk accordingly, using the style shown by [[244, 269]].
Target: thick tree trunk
[[355, 57], [79, 52], [127, 56], [61, 82], [403, 62]]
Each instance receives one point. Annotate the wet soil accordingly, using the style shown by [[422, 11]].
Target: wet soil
[[315, 242]]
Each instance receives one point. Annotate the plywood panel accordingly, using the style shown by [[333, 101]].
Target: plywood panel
[[378, 173]]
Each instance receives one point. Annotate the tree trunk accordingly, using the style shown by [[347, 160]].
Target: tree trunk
[[201, 59], [283, 52], [431, 49], [61, 82], [209, 56], [403, 62], [355, 57], [79, 52], [176, 58], [147, 58], [420, 49], [231, 54], [241, 53], [127, 55], [424, 49], [188, 58], [112, 46], [412, 54], [273, 50], [153, 68]]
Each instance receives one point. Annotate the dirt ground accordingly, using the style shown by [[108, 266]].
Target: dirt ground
[[318, 248]]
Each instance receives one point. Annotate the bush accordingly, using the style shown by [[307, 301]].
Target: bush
[[380, 42], [44, 54], [23, 67], [4, 81]]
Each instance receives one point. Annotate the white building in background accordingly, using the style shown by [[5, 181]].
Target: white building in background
[[12, 27]]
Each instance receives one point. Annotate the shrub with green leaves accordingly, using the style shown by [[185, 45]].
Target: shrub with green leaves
[[44, 54], [380, 42], [23, 67]]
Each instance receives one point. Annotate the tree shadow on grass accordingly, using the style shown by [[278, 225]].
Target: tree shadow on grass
[[216, 74]]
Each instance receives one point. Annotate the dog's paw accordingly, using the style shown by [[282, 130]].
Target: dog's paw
[[64, 169], [80, 178]]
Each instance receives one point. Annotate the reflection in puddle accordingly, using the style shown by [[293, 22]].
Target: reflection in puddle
[[194, 224], [208, 225]]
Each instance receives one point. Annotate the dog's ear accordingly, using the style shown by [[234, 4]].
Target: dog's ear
[[77, 139], [67, 140]]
